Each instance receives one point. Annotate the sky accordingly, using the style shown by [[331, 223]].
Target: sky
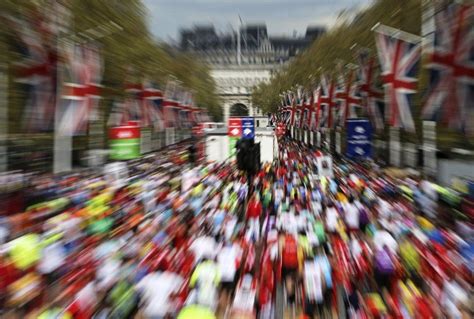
[[283, 17]]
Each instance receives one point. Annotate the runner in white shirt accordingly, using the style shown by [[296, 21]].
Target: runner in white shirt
[[313, 285], [287, 222], [227, 261], [351, 214], [332, 217], [155, 289], [384, 238], [204, 247]]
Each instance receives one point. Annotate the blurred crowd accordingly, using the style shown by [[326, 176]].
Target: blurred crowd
[[204, 240]]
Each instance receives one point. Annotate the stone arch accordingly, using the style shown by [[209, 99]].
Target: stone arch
[[239, 109]]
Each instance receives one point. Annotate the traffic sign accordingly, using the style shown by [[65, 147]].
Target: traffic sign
[[234, 127], [248, 127], [232, 142], [359, 138]]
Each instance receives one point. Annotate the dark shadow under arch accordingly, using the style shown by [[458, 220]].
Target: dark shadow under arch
[[239, 109]]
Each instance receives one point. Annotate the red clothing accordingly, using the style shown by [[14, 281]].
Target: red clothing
[[423, 309], [254, 209]]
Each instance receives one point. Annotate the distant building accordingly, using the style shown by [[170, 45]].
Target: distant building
[[257, 46], [260, 56]]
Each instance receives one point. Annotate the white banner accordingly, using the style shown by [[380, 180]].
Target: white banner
[[395, 159], [338, 142], [410, 155], [170, 137], [325, 166], [430, 162], [145, 141]]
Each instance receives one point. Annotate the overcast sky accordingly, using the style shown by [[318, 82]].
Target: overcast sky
[[282, 17]]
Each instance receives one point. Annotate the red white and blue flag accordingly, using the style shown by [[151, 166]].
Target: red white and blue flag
[[311, 112], [36, 70], [293, 109], [286, 114], [346, 95], [305, 111], [399, 60], [316, 113], [372, 97], [327, 102], [299, 107], [80, 93], [451, 96], [152, 106], [170, 105]]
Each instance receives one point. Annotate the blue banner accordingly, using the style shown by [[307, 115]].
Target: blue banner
[[359, 138], [248, 127]]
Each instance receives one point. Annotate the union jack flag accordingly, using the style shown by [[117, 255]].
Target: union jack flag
[[316, 109], [293, 109], [310, 115], [372, 98], [273, 119], [152, 100], [80, 92], [133, 105], [36, 70], [300, 107], [327, 101], [286, 109], [346, 94], [399, 61], [190, 108], [450, 99], [303, 110], [171, 105]]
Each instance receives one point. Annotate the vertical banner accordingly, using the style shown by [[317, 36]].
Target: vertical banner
[[328, 140], [234, 132], [234, 127], [338, 141], [325, 167], [124, 142], [170, 137], [359, 138], [394, 145], [232, 143], [381, 150], [410, 155], [145, 141], [430, 164], [248, 127]]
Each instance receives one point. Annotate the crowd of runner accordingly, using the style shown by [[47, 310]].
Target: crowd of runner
[[202, 240]]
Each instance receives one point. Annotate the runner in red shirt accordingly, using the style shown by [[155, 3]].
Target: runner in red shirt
[[254, 211]]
